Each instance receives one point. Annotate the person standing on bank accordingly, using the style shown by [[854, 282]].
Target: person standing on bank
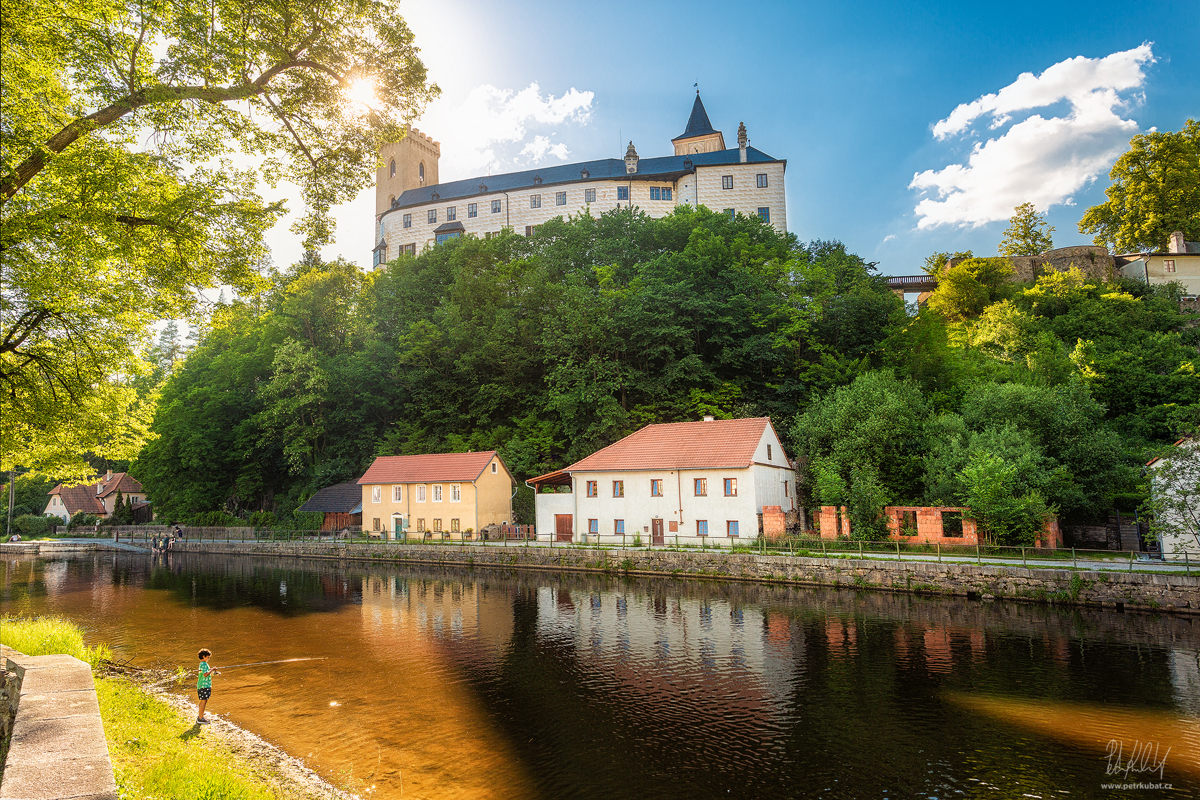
[[204, 684]]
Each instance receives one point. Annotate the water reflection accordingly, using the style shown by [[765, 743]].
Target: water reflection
[[491, 684]]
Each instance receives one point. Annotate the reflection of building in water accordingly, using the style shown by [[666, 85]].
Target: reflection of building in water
[[1185, 679], [434, 609], [656, 645]]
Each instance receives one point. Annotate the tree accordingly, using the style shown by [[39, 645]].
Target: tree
[[1027, 234], [966, 289], [1175, 498], [937, 261], [1155, 191], [104, 228]]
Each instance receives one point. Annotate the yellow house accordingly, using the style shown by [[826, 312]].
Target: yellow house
[[443, 493]]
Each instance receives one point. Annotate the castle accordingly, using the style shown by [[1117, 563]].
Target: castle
[[413, 210]]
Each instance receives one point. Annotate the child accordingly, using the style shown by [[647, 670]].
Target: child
[[204, 684]]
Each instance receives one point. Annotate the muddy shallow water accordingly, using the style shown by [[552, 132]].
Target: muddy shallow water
[[487, 684]]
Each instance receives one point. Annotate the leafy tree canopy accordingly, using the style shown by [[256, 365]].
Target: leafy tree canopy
[[1155, 191], [1027, 234], [937, 261]]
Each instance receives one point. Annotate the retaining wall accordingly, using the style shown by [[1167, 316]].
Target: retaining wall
[[1117, 590]]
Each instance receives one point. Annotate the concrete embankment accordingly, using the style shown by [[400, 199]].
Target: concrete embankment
[[1115, 590]]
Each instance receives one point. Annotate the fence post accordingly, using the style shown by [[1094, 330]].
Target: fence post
[[860, 550], [897, 549], [939, 547], [1023, 562], [823, 553], [1074, 560], [1187, 565], [978, 558], [1131, 561]]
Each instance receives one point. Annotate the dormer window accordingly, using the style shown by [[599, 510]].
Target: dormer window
[[437, 196], [537, 180], [584, 174], [482, 188]]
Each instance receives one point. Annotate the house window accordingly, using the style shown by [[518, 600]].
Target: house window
[[731, 487], [656, 487], [437, 525], [374, 523], [437, 493], [397, 494], [445, 237], [761, 180], [410, 249], [594, 526], [655, 193], [376, 494], [493, 467], [764, 213], [495, 206], [535, 201], [456, 493], [666, 193], [472, 209], [785, 489], [731, 528], [592, 490], [768, 452], [454, 525], [731, 213], [726, 181], [431, 216], [393, 169], [622, 192], [1169, 265], [421, 494], [451, 213], [560, 198], [701, 487], [408, 220], [420, 523], [531, 230], [618, 488], [589, 195], [619, 527], [702, 527]]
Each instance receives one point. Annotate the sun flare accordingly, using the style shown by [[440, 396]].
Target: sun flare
[[362, 92]]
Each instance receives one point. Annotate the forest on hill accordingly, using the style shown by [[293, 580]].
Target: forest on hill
[[1016, 399]]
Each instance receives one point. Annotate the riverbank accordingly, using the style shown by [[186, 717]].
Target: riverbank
[[1120, 591]]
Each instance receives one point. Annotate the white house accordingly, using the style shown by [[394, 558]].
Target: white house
[[1175, 496], [684, 482]]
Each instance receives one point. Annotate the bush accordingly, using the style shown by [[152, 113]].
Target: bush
[[29, 525], [308, 520], [263, 519], [81, 519], [49, 636], [215, 519]]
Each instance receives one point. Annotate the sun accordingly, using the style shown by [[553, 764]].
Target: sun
[[361, 93]]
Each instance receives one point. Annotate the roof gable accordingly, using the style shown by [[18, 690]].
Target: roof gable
[[79, 498], [340, 498], [430, 468], [727, 443], [122, 481]]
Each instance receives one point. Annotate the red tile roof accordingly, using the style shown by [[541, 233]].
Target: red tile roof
[[681, 445], [432, 468], [120, 480], [79, 498]]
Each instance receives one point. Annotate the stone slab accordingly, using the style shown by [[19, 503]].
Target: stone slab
[[59, 704], [78, 734], [47, 678], [59, 779]]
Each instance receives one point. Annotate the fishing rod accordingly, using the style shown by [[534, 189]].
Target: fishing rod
[[261, 663]]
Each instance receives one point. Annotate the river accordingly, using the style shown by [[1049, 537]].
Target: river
[[492, 684]]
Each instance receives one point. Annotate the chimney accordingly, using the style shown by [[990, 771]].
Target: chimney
[[708, 417], [108, 477], [1177, 244], [631, 160], [742, 142]]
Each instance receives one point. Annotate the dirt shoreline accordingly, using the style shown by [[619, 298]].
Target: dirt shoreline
[[289, 776]]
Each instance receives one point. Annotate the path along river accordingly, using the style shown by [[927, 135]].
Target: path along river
[[491, 684]]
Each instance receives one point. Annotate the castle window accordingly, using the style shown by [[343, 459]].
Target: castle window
[[726, 181], [531, 230], [589, 195], [451, 214], [445, 237], [764, 214], [666, 193], [535, 201], [410, 249], [732, 214], [408, 220], [472, 209], [560, 198], [393, 169], [421, 172], [495, 206], [583, 173], [622, 192], [655, 193], [761, 178], [431, 216]]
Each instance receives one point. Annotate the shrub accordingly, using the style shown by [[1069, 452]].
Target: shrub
[[262, 519], [82, 519], [29, 525]]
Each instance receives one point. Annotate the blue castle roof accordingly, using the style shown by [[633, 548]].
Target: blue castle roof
[[698, 123], [663, 168]]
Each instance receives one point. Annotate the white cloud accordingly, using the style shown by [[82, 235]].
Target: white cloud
[[1037, 160], [888, 238], [491, 127]]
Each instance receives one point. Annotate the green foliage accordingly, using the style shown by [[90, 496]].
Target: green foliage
[[34, 525], [1027, 234], [966, 289], [1005, 513], [31, 493], [49, 636], [1174, 502], [1155, 191], [936, 262], [82, 519]]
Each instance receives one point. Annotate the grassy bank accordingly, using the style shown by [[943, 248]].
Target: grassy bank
[[157, 752]]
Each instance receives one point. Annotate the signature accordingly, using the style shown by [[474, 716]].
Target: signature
[[1143, 757]]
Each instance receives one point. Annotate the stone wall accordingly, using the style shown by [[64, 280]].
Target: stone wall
[[1117, 590]]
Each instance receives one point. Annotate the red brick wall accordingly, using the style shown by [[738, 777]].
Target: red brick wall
[[827, 518], [929, 525], [774, 522]]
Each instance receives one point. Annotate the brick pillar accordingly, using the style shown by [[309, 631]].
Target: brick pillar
[[827, 520], [893, 521], [845, 512], [1051, 535], [773, 522], [970, 534]]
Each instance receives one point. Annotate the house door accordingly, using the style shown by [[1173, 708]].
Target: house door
[[656, 532], [562, 527]]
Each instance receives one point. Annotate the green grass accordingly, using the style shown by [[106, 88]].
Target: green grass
[[157, 753], [47, 636]]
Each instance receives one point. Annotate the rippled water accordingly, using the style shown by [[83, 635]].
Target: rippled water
[[489, 684]]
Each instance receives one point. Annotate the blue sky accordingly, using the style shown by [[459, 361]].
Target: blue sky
[[850, 94]]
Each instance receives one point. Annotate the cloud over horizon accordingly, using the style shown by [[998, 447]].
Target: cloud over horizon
[[1039, 160], [493, 128]]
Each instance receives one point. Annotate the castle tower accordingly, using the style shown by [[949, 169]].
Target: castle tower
[[407, 164], [699, 137]]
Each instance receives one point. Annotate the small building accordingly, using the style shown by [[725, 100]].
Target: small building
[[99, 498], [1175, 492], [341, 504], [686, 482], [449, 495], [1180, 264]]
